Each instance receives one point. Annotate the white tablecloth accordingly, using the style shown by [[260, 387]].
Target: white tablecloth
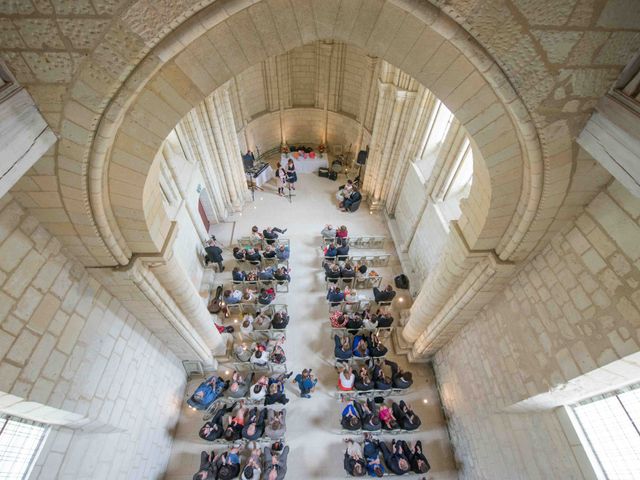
[[305, 165], [266, 175]]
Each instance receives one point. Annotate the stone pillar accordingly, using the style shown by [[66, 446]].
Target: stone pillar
[[171, 275], [194, 144], [392, 130], [463, 282]]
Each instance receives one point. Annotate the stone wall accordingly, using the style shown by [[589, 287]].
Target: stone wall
[[560, 328], [68, 349]]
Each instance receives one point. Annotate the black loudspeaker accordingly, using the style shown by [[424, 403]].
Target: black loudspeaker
[[362, 157]]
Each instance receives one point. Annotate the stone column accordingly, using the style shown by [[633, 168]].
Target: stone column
[[171, 275], [193, 141], [463, 282], [393, 130]]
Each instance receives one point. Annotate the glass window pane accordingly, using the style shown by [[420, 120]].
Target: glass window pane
[[20, 441], [610, 424]]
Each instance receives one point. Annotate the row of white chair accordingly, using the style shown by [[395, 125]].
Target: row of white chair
[[360, 241], [379, 260], [251, 242], [359, 283], [281, 286]]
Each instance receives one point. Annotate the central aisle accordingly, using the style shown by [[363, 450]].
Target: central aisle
[[313, 424]]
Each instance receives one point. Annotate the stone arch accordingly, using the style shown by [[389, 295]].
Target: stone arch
[[202, 54]]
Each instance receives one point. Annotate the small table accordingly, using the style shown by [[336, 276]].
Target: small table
[[264, 176]]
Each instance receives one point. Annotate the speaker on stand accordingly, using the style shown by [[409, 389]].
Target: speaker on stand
[[361, 160]]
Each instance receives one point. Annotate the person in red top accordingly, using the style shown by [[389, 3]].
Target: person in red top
[[342, 232]]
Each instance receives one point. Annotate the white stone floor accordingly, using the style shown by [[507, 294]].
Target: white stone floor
[[313, 424]]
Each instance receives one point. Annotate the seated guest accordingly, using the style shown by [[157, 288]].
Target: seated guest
[[238, 253], [262, 322], [347, 271], [360, 347], [253, 468], [417, 460], [328, 231], [355, 196], [344, 191], [254, 424], [242, 353], [251, 275], [247, 325], [376, 348], [255, 233], [350, 294], [270, 234], [275, 464], [277, 355], [384, 320], [233, 431], [400, 378], [282, 274], [266, 274], [257, 392], [239, 385], [371, 452], [282, 252], [249, 296], [363, 381], [206, 471], [361, 270], [207, 393], [369, 322], [259, 358], [280, 320], [395, 459], [383, 382], [354, 323], [385, 295], [350, 419], [342, 232], [275, 392], [338, 319], [332, 272], [237, 275], [389, 422], [266, 296], [342, 350], [330, 250], [346, 379], [369, 417], [276, 424], [228, 464], [335, 296], [342, 250], [354, 462], [253, 256], [213, 429], [269, 252], [231, 297], [407, 419]]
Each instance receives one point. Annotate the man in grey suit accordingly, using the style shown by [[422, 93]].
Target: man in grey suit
[[275, 465]]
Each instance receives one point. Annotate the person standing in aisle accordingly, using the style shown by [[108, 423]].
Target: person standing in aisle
[[306, 382]]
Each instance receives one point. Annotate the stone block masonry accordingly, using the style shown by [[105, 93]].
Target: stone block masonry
[[72, 350], [572, 309]]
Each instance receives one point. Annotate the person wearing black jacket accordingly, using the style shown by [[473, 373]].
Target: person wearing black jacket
[[368, 413], [254, 425], [399, 378], [214, 255], [385, 295], [395, 458], [407, 419], [354, 463], [417, 460]]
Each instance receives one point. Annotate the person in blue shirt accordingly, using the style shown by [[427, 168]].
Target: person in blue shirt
[[371, 452], [266, 274], [207, 393], [237, 275], [306, 382], [331, 250], [282, 252], [350, 419], [360, 347], [335, 296]]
